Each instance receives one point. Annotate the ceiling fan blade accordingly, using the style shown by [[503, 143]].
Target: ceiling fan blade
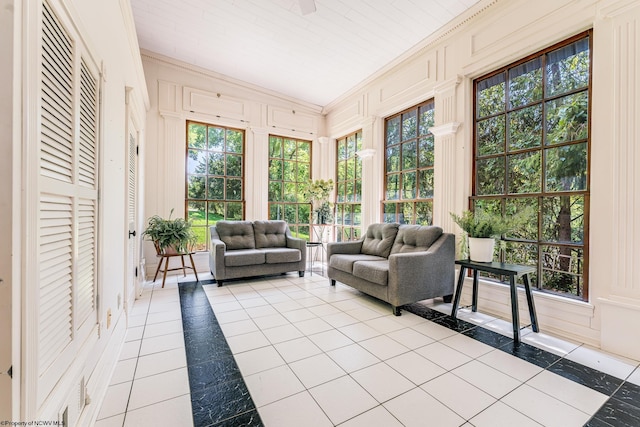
[[307, 6]]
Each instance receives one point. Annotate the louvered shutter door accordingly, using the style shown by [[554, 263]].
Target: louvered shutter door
[[68, 203], [131, 197], [88, 127], [55, 321], [87, 205], [131, 210], [86, 267], [56, 239], [57, 100]]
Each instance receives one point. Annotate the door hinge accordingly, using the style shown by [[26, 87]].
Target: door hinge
[[10, 371], [135, 272], [137, 150]]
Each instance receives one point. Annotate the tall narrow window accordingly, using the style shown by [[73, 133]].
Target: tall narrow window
[[289, 174], [532, 149], [409, 166], [215, 177], [348, 187]]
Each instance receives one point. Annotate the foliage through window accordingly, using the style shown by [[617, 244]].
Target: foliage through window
[[532, 149], [214, 182], [409, 166], [289, 174], [348, 188]]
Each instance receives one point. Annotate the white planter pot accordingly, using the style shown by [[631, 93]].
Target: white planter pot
[[481, 249]]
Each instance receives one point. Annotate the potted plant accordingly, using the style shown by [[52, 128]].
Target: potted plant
[[317, 192], [483, 228], [170, 235]]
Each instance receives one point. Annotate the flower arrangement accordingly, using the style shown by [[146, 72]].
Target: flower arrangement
[[317, 192]]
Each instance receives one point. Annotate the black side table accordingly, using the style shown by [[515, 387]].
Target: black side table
[[513, 271]]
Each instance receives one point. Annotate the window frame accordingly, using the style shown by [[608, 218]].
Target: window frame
[[400, 201], [543, 148], [299, 228], [344, 232], [207, 200]]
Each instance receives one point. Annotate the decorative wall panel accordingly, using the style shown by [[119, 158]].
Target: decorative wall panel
[[406, 78], [199, 101], [626, 153], [291, 119]]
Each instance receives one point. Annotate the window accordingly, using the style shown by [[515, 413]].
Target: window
[[532, 149], [214, 182], [349, 188], [409, 166], [289, 174]]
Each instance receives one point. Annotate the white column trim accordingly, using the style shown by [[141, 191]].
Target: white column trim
[[366, 153], [445, 129]]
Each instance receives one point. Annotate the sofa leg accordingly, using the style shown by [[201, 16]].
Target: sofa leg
[[447, 298], [332, 282], [396, 310], [301, 273], [219, 282]]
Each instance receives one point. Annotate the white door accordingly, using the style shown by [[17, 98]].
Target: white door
[[132, 253]]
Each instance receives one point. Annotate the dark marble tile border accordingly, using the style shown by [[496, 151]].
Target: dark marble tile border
[[219, 395], [621, 410]]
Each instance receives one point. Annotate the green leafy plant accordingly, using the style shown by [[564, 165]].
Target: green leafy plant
[[482, 224], [170, 233]]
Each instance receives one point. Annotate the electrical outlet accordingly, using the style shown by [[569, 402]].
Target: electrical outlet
[[108, 318]]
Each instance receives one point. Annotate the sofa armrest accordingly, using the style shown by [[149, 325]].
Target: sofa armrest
[[301, 245], [352, 247], [296, 243], [433, 269], [216, 255]]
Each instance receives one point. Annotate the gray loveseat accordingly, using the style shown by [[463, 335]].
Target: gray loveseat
[[246, 248], [399, 264]]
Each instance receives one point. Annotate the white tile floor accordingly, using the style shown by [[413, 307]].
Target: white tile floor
[[315, 355]]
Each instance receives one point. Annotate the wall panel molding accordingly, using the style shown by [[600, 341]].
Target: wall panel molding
[[626, 154], [200, 101], [167, 97], [292, 119], [406, 78]]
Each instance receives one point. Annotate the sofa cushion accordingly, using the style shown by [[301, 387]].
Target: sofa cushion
[[344, 262], [415, 238], [241, 257], [281, 255], [379, 239], [236, 234], [270, 234], [373, 271]]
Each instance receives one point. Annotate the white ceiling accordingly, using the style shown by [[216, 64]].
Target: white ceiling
[[315, 57]]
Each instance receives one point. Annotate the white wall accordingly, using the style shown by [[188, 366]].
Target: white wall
[[107, 30], [491, 35], [7, 207], [179, 92]]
